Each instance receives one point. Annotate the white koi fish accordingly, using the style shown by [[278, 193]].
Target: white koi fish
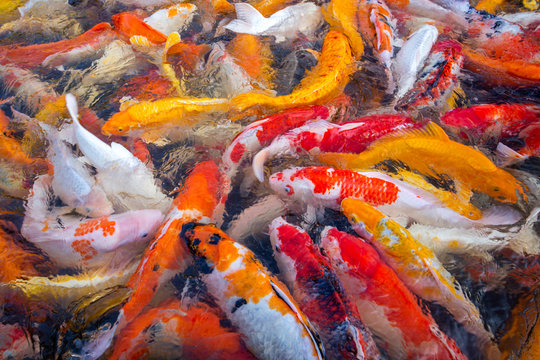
[[171, 19]]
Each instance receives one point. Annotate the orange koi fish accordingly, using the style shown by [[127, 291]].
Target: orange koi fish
[[343, 16], [384, 303], [323, 83], [428, 159], [319, 293], [167, 255], [17, 259], [30, 56], [129, 25], [196, 333], [172, 111], [255, 301], [416, 265]]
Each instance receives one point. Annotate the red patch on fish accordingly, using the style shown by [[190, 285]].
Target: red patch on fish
[[84, 248], [238, 152]]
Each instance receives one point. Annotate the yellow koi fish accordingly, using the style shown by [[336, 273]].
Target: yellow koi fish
[[325, 81], [416, 265], [342, 16], [428, 159]]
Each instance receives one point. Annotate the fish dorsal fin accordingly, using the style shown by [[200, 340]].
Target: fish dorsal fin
[[303, 319], [247, 13], [140, 40], [172, 39], [431, 130]]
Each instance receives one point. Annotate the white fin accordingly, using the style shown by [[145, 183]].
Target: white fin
[[500, 215], [258, 163], [249, 19], [302, 318], [507, 156], [73, 108]]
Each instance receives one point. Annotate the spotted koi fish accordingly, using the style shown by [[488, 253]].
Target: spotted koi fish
[[169, 111], [322, 187], [260, 133], [438, 78], [256, 302], [322, 136], [321, 297], [416, 265], [384, 303], [428, 159], [198, 200], [196, 333], [323, 83]]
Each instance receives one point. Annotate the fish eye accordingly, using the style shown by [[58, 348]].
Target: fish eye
[[144, 235], [354, 218], [289, 190]]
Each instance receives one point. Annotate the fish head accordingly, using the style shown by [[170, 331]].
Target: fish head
[[363, 217], [138, 226], [288, 239], [204, 240], [504, 187], [292, 184], [119, 124], [352, 345]]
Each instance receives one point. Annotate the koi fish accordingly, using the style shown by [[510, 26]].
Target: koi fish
[[18, 259], [323, 83], [417, 266], [437, 80], [88, 243], [198, 200], [284, 25], [129, 25], [174, 18], [479, 124], [411, 57], [256, 302], [453, 173], [320, 296], [196, 333], [261, 132], [322, 136], [384, 303], [343, 16], [321, 187], [30, 56], [172, 111]]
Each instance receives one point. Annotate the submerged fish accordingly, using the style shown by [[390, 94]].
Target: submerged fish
[[321, 297], [385, 305], [171, 19], [286, 24], [417, 266], [257, 303]]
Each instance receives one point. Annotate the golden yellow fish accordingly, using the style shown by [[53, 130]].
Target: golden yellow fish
[[342, 15], [428, 159], [323, 83]]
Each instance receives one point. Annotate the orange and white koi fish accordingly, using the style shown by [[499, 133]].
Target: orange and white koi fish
[[323, 83], [319, 293], [129, 25], [416, 266], [171, 19], [195, 332], [449, 170], [198, 200], [384, 303], [256, 302], [320, 187], [285, 25], [169, 111]]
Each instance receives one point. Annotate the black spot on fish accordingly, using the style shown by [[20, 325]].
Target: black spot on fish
[[225, 323], [391, 166], [442, 181], [195, 242], [156, 267], [187, 229], [203, 266], [238, 304], [214, 239]]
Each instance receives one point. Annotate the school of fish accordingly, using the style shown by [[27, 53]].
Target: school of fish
[[270, 179]]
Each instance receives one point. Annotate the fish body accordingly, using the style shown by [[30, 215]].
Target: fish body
[[168, 111], [410, 58], [438, 78], [322, 136], [195, 332], [384, 303], [129, 25], [343, 16], [261, 132], [320, 296], [171, 19], [416, 265], [285, 24], [198, 200], [324, 187], [323, 83], [256, 302], [449, 170]]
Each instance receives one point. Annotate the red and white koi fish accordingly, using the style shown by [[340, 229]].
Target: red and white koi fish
[[321, 136], [88, 243], [195, 332], [256, 302], [261, 132], [321, 187], [438, 78], [384, 303], [321, 297], [417, 266], [285, 24]]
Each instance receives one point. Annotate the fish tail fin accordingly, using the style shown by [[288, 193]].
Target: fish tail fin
[[248, 19], [457, 99], [73, 108], [507, 156], [258, 163]]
